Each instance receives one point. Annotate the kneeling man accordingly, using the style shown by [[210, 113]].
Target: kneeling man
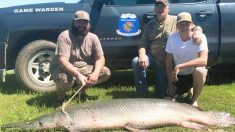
[[185, 61], [79, 58]]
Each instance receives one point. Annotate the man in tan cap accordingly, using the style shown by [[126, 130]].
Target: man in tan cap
[[79, 57], [152, 50], [185, 61]]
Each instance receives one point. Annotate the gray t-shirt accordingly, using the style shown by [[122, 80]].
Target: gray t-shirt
[[79, 49], [184, 51]]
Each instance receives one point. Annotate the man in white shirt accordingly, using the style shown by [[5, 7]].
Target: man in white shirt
[[185, 61]]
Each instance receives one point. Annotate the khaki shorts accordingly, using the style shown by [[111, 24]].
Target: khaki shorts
[[61, 77]]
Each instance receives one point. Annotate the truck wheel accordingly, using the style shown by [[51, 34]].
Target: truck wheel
[[32, 66]]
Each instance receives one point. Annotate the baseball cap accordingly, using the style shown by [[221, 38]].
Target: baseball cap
[[81, 15], [184, 16], [165, 2]]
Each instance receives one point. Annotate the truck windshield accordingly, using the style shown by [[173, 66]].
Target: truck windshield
[[9, 3]]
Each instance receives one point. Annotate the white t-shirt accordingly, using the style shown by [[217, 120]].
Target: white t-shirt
[[184, 51]]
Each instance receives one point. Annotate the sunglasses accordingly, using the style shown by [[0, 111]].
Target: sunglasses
[[160, 6], [184, 23]]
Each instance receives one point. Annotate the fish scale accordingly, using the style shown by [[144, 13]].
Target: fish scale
[[131, 114]]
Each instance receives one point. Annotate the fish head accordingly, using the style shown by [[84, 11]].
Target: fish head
[[41, 123]]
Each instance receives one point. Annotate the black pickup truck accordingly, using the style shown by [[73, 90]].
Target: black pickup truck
[[28, 33]]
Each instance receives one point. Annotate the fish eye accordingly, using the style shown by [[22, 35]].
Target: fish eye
[[40, 123]]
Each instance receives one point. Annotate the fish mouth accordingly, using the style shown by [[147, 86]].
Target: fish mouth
[[26, 126], [13, 126], [20, 126]]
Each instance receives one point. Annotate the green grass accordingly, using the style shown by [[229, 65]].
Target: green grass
[[19, 104]]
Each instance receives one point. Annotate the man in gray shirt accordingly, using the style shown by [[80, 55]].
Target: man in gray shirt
[[79, 57]]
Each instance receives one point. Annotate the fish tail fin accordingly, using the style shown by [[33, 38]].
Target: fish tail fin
[[221, 119]]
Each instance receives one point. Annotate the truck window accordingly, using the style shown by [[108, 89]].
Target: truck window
[[227, 1], [145, 1], [186, 1], [122, 2], [134, 2]]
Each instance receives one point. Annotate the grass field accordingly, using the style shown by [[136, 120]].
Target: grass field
[[19, 104]]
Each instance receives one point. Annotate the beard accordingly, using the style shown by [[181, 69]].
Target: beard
[[80, 30]]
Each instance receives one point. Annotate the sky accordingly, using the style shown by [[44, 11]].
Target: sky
[[7, 3]]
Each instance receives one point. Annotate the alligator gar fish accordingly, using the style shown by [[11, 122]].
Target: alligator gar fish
[[131, 114]]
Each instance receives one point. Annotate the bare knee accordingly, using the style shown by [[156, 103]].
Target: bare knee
[[199, 76], [200, 71]]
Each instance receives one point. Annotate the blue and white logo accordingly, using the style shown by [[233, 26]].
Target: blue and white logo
[[128, 25]]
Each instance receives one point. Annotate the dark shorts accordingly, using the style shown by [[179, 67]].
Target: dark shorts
[[185, 82]]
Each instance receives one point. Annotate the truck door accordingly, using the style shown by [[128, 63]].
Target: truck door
[[119, 48], [204, 14], [227, 18]]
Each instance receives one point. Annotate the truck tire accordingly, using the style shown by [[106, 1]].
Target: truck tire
[[32, 66]]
